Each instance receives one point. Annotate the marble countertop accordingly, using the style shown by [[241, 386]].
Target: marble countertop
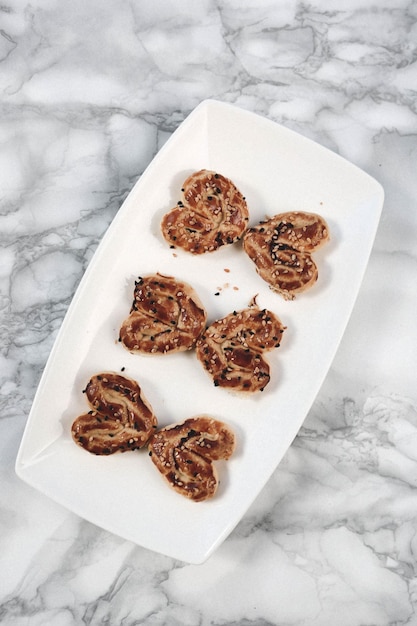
[[89, 93]]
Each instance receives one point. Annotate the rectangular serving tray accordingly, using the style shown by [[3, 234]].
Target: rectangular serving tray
[[277, 170]]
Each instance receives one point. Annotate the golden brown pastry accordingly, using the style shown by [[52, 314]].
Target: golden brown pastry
[[166, 316], [121, 419], [231, 348], [281, 249], [184, 454], [211, 214]]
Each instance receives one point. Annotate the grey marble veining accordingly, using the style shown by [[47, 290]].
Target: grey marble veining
[[89, 93]]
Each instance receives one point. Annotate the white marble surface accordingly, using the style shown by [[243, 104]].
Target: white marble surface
[[89, 92]]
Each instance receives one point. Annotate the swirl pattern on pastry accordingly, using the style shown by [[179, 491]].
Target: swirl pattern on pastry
[[166, 316], [231, 348], [121, 419], [212, 213], [184, 454], [281, 249]]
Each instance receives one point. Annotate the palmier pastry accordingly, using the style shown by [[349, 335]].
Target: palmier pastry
[[231, 348], [166, 316], [281, 249], [121, 419], [184, 454], [211, 214]]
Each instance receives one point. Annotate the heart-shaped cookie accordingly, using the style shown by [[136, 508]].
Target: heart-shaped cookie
[[281, 249], [231, 348], [121, 419], [184, 454], [212, 213], [166, 316]]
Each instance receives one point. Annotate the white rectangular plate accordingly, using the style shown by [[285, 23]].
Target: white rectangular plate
[[277, 170]]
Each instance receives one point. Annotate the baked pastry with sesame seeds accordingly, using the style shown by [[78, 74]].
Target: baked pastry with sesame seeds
[[166, 316], [281, 249], [121, 418], [212, 213], [231, 348], [184, 454]]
